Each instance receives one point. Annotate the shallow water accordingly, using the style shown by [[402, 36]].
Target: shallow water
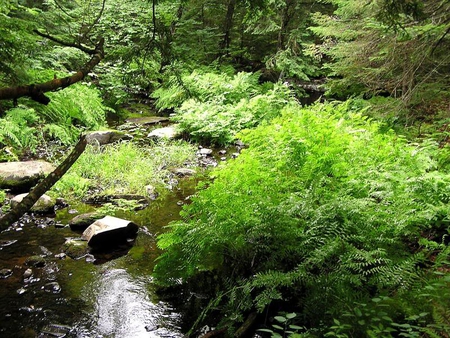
[[109, 297]]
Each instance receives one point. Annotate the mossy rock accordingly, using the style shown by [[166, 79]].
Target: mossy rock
[[75, 248], [81, 222], [36, 261], [102, 137], [22, 176], [45, 204]]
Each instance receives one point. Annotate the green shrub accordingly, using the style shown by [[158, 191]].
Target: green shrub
[[320, 212], [207, 86]]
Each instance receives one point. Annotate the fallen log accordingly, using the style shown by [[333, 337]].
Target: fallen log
[[21, 208]]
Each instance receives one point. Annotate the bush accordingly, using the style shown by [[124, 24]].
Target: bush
[[322, 211]]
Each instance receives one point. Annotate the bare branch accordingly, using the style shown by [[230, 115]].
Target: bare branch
[[65, 43], [36, 91]]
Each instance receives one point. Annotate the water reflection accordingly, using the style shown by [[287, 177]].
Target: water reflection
[[123, 309]]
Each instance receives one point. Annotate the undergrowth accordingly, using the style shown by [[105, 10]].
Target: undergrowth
[[213, 108], [123, 168], [325, 210]]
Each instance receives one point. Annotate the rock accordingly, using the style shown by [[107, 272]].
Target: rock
[[166, 132], [234, 155], [21, 176], [61, 202], [35, 261], [75, 248], [5, 273], [52, 287], [151, 192], [46, 252], [205, 151], [21, 291], [102, 137], [61, 255], [239, 143], [6, 242], [81, 222], [55, 330], [44, 205], [183, 172], [28, 273], [148, 120], [109, 231], [222, 152]]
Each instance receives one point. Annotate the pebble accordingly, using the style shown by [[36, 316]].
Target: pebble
[[27, 274]]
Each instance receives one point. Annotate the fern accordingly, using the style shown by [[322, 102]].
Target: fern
[[18, 128], [324, 221]]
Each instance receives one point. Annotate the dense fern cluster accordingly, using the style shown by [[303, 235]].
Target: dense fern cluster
[[322, 211], [215, 107], [70, 112]]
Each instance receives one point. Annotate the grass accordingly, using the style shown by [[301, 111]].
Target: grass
[[123, 168]]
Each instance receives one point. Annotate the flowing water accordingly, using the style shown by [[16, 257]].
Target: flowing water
[[107, 294]]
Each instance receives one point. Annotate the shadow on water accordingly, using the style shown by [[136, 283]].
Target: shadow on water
[[108, 296]]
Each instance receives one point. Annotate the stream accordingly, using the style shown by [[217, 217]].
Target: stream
[[107, 295], [104, 294]]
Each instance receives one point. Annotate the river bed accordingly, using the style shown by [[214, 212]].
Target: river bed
[[107, 294]]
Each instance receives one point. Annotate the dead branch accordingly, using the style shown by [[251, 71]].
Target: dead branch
[[42, 187]]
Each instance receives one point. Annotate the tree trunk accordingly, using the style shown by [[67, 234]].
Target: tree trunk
[[29, 200], [286, 16], [228, 24]]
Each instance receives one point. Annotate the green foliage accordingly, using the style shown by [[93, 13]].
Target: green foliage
[[205, 86], [368, 54], [284, 326], [221, 105], [18, 128], [123, 168], [72, 110], [319, 212]]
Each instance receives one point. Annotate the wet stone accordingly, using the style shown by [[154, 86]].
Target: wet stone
[[184, 172], [4, 243], [35, 261], [52, 287], [205, 151], [5, 273], [61, 255], [28, 273], [21, 291], [55, 330]]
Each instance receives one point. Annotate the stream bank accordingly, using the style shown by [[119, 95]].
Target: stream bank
[[108, 293]]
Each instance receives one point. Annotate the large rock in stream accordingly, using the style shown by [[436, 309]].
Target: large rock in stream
[[102, 137], [166, 132], [109, 231], [21, 176], [44, 205]]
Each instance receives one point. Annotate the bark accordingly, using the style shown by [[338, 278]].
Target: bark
[[286, 17], [228, 24], [245, 328], [36, 91], [42, 187]]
